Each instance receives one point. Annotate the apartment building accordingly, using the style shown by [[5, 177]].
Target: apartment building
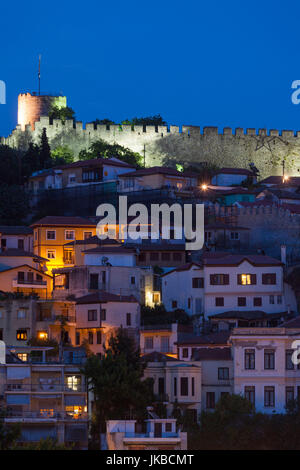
[[263, 368], [226, 282], [100, 314], [51, 233], [47, 398], [20, 237]]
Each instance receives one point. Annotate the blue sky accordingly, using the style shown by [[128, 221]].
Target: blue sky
[[202, 63]]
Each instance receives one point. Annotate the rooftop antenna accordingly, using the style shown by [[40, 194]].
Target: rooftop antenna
[[39, 74]]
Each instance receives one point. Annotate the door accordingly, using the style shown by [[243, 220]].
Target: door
[[157, 429]]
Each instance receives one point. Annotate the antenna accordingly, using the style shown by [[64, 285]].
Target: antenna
[[39, 74]]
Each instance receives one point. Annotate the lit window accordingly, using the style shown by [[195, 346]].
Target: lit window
[[21, 335], [22, 356], [42, 335], [246, 279]]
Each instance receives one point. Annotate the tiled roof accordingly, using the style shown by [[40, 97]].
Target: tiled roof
[[158, 357], [16, 252], [236, 259], [95, 240], [63, 221], [240, 315], [103, 297], [161, 170], [96, 162], [183, 267], [212, 354], [292, 180], [219, 337], [294, 323], [15, 230]]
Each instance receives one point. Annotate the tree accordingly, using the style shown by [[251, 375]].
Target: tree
[[9, 165], [45, 153], [45, 444], [9, 434], [14, 204], [105, 121], [120, 344], [61, 113], [102, 149], [30, 161], [62, 155], [155, 120]]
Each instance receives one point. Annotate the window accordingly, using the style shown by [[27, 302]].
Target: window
[[174, 303], [175, 386], [69, 235], [177, 256], [223, 373], [198, 282], [234, 236], [30, 276], [184, 386], [21, 276], [279, 299], [168, 427], [288, 359], [93, 281], [250, 359], [241, 302], [91, 337], [193, 386], [51, 234], [128, 319], [21, 314], [51, 254], [250, 394], [103, 314], [87, 235], [20, 244], [219, 279], [164, 344], [246, 279], [21, 335], [257, 301], [269, 278], [271, 299], [161, 385], [269, 359], [149, 342], [269, 396], [185, 352], [189, 303], [154, 256], [72, 178], [98, 337], [77, 340], [289, 395], [3, 243], [219, 301], [132, 280], [92, 315], [210, 400], [207, 236]]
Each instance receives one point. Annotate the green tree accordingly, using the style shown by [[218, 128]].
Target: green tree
[[62, 155], [102, 149], [105, 121], [30, 161], [10, 164], [9, 434], [14, 204], [121, 344], [155, 120], [61, 113], [45, 153]]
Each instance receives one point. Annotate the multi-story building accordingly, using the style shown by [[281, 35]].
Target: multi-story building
[[47, 398], [50, 234], [263, 367], [20, 237], [226, 282], [98, 315]]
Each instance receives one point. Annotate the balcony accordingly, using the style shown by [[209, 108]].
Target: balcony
[[43, 416], [44, 387], [29, 284]]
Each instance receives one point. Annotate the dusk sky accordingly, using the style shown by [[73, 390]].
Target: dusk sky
[[202, 63]]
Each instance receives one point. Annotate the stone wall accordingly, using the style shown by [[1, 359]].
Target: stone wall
[[238, 148]]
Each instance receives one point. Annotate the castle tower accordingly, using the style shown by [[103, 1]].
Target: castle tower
[[32, 106]]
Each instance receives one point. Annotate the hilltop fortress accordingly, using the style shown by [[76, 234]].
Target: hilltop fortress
[[162, 144]]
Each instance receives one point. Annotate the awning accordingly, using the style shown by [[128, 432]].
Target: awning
[[18, 399], [18, 372], [73, 400]]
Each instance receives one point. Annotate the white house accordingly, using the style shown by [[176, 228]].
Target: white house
[[263, 368], [226, 282], [20, 237], [232, 176]]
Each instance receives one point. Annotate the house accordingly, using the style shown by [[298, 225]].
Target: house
[[20, 237], [79, 173], [27, 280], [263, 366], [98, 315], [163, 254], [220, 236], [46, 399], [51, 233], [290, 183], [175, 383], [156, 178], [153, 434], [232, 177], [160, 338]]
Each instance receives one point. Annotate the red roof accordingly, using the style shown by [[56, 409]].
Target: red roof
[[212, 354], [63, 221], [103, 297], [96, 162], [291, 181], [161, 170]]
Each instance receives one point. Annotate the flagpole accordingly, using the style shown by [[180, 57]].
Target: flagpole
[[39, 74]]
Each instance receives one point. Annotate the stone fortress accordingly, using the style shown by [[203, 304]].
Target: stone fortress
[[188, 145]]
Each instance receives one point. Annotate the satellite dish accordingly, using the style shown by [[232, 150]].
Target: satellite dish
[[104, 260]]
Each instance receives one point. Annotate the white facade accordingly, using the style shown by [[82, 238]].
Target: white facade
[[270, 388], [107, 258], [228, 179]]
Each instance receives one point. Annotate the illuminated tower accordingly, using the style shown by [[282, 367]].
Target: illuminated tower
[[32, 106]]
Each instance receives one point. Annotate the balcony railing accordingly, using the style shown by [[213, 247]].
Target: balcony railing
[[151, 435], [44, 387], [29, 283], [44, 415]]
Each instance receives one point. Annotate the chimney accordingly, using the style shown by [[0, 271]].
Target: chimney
[[283, 254]]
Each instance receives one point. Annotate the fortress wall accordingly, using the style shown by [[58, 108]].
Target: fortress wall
[[189, 144]]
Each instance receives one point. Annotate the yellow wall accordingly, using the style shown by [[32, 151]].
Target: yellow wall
[[8, 277]]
